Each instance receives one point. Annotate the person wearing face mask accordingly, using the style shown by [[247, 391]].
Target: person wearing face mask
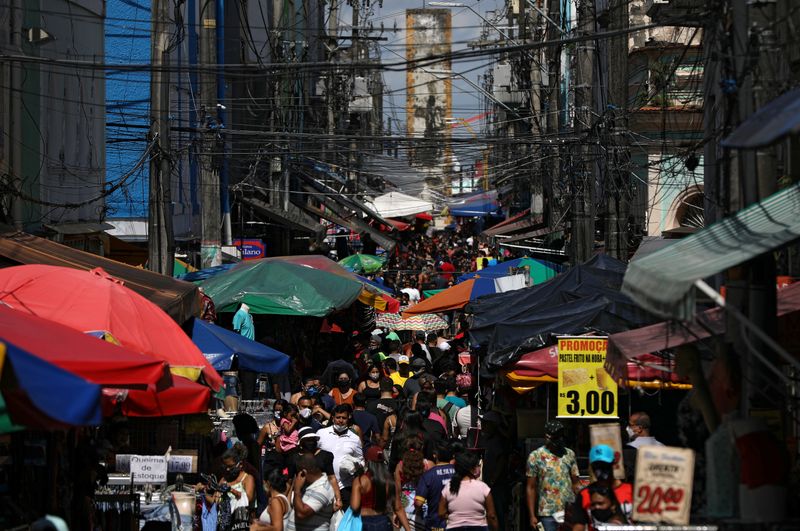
[[584, 510], [604, 508], [371, 387], [305, 407], [272, 429], [343, 392], [309, 444], [339, 440], [552, 472], [242, 485]]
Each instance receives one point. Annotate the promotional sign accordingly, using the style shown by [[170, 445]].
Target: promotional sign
[[148, 468], [609, 434], [664, 477], [585, 389], [251, 248]]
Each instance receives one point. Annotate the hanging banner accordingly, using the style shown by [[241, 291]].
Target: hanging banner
[[609, 434], [585, 389], [664, 477]]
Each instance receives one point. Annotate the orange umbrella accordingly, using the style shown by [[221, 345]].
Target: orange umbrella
[[453, 298]]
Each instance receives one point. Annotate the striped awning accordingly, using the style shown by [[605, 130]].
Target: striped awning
[[663, 282]]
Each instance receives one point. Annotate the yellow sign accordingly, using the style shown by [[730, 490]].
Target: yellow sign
[[585, 389]]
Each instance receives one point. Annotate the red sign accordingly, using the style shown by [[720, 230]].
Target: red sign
[[251, 248]]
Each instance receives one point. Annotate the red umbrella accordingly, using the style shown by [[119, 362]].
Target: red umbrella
[[94, 300], [93, 359], [183, 397]]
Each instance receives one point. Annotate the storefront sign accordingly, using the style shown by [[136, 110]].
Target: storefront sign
[[251, 248], [181, 461], [585, 389], [148, 468], [663, 491], [610, 435]]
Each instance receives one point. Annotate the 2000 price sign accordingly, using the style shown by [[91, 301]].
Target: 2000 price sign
[[595, 402]]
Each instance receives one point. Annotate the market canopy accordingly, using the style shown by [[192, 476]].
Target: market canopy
[[585, 298], [95, 301], [178, 299], [285, 286], [362, 263], [454, 297], [477, 204], [398, 205], [426, 322], [770, 123], [41, 395], [95, 360], [663, 282], [220, 345], [183, 397], [666, 335], [517, 223], [540, 270]]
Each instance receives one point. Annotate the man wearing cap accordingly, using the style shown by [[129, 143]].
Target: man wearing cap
[[309, 444], [552, 478], [413, 385], [403, 371], [601, 462]]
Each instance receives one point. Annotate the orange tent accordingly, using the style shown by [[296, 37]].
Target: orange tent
[[453, 298]]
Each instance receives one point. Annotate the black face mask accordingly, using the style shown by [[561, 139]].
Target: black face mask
[[602, 515], [344, 385], [308, 445], [232, 473]]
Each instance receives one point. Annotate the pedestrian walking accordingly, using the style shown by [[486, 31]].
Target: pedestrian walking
[[601, 462], [276, 516], [466, 502], [373, 496]]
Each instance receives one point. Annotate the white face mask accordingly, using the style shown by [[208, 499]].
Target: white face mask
[[339, 429], [629, 430], [305, 412]]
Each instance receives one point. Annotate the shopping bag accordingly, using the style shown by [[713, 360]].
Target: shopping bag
[[335, 519], [350, 521]]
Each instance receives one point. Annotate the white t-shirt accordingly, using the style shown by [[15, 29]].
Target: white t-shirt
[[340, 446], [463, 418], [638, 442], [319, 497]]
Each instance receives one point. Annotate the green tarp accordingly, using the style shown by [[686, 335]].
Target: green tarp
[[273, 286]]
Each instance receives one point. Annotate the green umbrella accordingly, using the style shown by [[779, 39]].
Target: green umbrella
[[280, 287], [6, 424], [362, 263]]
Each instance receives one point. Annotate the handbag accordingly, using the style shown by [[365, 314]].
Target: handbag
[[350, 521]]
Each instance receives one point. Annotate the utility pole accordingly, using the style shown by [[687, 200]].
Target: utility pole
[[582, 238], [210, 247], [551, 163], [160, 241], [617, 169]]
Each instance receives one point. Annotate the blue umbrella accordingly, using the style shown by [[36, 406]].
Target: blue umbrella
[[203, 274], [220, 345], [59, 394], [540, 270]]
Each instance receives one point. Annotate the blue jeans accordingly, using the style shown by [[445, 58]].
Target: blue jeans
[[378, 522], [549, 523], [231, 382]]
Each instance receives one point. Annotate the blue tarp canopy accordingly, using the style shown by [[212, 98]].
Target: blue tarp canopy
[[203, 274], [475, 205], [58, 394], [220, 345]]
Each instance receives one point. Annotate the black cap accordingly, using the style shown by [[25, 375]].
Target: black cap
[[554, 428]]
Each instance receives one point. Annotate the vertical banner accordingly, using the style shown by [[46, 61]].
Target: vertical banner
[[664, 478], [585, 389], [609, 434]]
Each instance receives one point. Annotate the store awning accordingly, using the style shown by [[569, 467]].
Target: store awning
[[175, 297], [292, 218], [398, 205], [770, 123], [513, 224], [667, 335], [475, 205], [663, 282]]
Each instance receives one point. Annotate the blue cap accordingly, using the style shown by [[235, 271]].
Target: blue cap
[[601, 452]]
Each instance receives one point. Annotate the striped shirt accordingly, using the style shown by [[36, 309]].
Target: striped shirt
[[319, 497]]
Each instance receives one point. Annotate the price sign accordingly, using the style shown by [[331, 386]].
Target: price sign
[[148, 468], [664, 477], [610, 435], [585, 389]]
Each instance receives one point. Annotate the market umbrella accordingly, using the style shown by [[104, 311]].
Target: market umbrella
[[426, 322], [39, 394], [283, 287], [362, 263], [93, 300], [90, 358], [183, 397], [205, 274], [454, 297], [220, 345], [540, 270]]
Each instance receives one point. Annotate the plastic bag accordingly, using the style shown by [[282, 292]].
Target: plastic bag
[[335, 519], [350, 521]]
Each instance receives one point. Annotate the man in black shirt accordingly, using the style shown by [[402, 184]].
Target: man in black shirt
[[366, 421]]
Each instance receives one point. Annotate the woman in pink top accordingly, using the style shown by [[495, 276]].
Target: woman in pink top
[[466, 502]]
